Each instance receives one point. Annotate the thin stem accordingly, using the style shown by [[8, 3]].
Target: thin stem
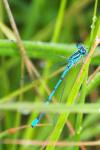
[[59, 21], [84, 86], [30, 67], [44, 143], [90, 86], [94, 83], [62, 119], [93, 22], [91, 77], [43, 50], [54, 108], [81, 101], [21, 96]]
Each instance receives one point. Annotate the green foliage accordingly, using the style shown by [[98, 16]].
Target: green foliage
[[49, 31]]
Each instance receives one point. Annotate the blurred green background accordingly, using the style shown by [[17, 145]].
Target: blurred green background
[[50, 30]]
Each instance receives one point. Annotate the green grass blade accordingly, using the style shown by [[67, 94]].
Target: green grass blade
[[62, 119]]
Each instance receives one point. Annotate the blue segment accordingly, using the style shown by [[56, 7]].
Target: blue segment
[[35, 122], [65, 72], [82, 50], [71, 58], [50, 96], [71, 61], [57, 85], [76, 56]]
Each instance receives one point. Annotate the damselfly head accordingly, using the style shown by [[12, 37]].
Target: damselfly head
[[82, 50]]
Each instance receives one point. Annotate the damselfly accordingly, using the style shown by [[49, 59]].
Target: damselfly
[[73, 59]]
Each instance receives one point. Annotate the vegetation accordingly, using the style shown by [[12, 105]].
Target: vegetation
[[33, 53]]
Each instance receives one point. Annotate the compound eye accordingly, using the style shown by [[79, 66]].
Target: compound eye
[[83, 51]]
